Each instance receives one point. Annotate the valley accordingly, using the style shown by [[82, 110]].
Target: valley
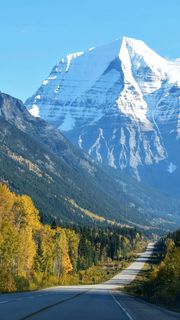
[[37, 159]]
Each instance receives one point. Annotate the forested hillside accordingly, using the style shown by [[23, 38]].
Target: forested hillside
[[33, 254], [65, 183]]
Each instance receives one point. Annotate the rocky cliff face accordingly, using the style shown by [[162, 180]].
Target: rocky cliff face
[[120, 103]]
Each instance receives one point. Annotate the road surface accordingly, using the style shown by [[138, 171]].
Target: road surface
[[91, 302]]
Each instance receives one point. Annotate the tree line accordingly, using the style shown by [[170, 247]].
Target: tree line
[[163, 285], [33, 253]]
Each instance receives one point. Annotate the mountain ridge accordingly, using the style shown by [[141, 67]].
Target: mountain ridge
[[119, 103]]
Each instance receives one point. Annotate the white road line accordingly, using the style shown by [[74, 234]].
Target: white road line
[[121, 307], [4, 301]]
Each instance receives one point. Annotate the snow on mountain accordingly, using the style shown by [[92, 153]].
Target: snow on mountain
[[120, 103]]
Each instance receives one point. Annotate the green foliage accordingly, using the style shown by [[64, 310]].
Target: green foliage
[[21, 283], [163, 285], [101, 245]]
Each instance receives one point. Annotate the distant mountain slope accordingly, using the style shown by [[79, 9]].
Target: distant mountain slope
[[120, 103], [65, 183]]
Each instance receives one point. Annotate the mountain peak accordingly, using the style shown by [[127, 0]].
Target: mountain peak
[[117, 102], [138, 48], [130, 40]]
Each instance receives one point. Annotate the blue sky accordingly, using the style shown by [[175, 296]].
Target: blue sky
[[35, 34]]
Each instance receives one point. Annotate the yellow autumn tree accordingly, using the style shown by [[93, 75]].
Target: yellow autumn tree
[[8, 256], [73, 244], [62, 263], [6, 202], [28, 249], [26, 221], [45, 251]]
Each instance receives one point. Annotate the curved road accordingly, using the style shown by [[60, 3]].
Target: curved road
[[93, 302]]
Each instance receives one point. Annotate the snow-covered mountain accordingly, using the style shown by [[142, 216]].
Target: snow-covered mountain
[[120, 103]]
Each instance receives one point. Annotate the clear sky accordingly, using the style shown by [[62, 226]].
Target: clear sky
[[35, 34]]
